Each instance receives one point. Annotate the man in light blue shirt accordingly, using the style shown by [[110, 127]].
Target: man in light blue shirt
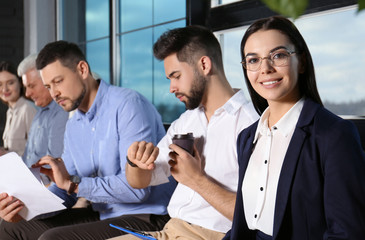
[[97, 142], [46, 134], [48, 125], [107, 121]]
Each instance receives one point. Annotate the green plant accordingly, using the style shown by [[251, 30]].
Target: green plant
[[295, 8]]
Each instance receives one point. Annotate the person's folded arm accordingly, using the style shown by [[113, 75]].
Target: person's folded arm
[[135, 122], [113, 189]]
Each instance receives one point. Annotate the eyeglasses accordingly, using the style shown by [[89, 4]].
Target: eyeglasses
[[277, 58]]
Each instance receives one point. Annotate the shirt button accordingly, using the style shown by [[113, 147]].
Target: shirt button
[[261, 188], [255, 216], [265, 161], [93, 129], [275, 128]]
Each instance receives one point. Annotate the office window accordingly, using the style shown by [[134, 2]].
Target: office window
[[97, 19], [138, 24], [231, 44], [136, 62], [168, 10], [135, 14], [86, 23], [335, 39], [97, 54]]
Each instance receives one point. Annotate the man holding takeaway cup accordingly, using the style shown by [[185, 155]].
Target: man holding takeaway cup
[[203, 202]]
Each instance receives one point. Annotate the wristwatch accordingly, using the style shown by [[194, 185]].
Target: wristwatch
[[75, 180]]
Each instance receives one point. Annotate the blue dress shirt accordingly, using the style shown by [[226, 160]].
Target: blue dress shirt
[[96, 144], [46, 134]]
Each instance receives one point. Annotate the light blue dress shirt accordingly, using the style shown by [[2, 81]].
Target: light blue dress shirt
[[96, 144], [46, 134]]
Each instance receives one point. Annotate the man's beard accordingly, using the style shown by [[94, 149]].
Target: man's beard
[[196, 92], [76, 103]]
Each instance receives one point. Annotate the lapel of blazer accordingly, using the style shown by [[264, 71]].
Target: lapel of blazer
[[290, 162], [247, 148], [244, 149]]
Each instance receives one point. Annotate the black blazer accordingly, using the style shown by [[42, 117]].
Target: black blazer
[[321, 188]]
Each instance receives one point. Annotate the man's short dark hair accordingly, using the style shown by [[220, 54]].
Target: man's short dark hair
[[190, 44], [69, 54]]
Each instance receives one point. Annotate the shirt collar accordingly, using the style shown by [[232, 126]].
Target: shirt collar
[[18, 103], [52, 104], [233, 104], [262, 126], [284, 125], [90, 114]]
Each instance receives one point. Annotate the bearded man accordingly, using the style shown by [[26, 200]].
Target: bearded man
[[202, 204], [108, 119]]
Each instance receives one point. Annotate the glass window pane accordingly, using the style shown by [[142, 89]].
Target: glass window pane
[[163, 13], [97, 19], [97, 55], [72, 21], [336, 41], [338, 54], [166, 103], [136, 61], [231, 44], [135, 14]]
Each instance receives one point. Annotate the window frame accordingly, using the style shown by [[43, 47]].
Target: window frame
[[245, 12]]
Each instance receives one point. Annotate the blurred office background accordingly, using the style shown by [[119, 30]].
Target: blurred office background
[[117, 38]]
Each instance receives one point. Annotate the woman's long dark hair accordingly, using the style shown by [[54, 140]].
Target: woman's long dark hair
[[306, 80]]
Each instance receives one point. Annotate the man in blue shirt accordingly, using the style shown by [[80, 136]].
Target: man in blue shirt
[[107, 121], [48, 126]]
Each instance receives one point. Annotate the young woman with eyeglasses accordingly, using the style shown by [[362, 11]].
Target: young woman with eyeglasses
[[302, 168], [20, 113]]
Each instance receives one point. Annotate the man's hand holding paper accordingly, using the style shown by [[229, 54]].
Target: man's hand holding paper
[[10, 208], [18, 182]]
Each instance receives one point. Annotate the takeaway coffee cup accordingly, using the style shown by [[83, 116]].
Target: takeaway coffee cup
[[185, 141]]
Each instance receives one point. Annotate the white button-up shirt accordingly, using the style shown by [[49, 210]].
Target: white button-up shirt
[[216, 143], [263, 170]]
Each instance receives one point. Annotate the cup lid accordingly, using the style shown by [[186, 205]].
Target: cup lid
[[183, 136]]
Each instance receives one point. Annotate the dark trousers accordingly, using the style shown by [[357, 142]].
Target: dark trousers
[[79, 224]]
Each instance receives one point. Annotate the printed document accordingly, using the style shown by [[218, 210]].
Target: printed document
[[25, 184]]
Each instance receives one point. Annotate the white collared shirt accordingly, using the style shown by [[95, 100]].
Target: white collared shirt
[[216, 143], [263, 170]]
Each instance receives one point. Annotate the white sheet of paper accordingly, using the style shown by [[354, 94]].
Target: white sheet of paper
[[17, 180]]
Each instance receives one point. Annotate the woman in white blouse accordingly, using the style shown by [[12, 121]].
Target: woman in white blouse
[[20, 113], [301, 168]]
